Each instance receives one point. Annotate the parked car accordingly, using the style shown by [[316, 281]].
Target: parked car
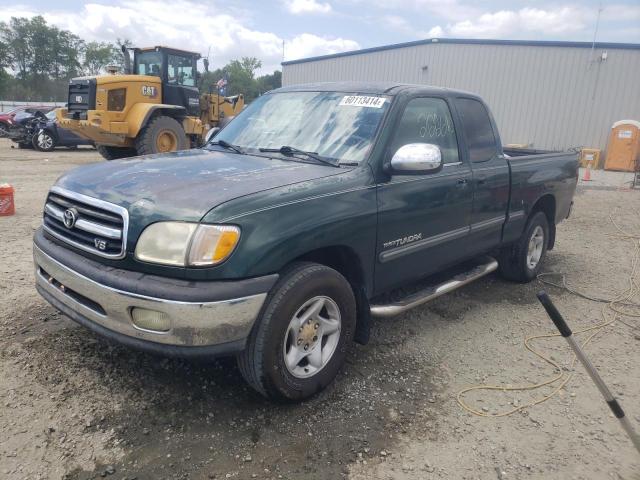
[[316, 208], [50, 136], [21, 128], [6, 118]]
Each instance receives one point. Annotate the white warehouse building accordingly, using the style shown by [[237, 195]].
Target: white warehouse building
[[546, 95]]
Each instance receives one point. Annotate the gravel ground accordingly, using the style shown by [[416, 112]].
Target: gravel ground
[[75, 407]]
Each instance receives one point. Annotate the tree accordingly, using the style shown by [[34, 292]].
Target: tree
[[269, 82], [119, 58], [98, 55], [37, 60], [15, 36]]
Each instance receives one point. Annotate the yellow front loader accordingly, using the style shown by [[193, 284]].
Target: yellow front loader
[[155, 107]]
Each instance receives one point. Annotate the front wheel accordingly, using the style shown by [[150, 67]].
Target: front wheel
[[44, 141], [300, 341], [522, 261], [162, 135]]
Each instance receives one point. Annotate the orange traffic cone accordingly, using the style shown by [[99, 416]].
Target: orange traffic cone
[[587, 173]]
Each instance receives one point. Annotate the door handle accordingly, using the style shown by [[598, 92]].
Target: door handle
[[482, 180], [462, 182]]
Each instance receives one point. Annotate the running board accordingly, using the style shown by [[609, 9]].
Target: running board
[[486, 266]]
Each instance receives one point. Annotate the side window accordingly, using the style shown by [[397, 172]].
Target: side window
[[477, 129], [428, 120], [181, 70]]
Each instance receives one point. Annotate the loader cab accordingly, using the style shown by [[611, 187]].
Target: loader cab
[[177, 70]]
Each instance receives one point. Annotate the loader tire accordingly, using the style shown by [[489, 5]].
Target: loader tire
[[114, 153], [161, 135]]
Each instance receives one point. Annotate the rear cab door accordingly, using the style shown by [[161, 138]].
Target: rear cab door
[[491, 177], [423, 220]]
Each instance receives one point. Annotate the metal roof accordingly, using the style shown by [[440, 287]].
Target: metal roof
[[158, 47], [471, 41]]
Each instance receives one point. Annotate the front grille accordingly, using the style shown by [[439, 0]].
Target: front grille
[[87, 223], [82, 97]]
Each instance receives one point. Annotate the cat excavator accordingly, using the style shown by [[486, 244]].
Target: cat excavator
[[154, 107]]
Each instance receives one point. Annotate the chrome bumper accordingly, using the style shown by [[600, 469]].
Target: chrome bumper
[[192, 324]]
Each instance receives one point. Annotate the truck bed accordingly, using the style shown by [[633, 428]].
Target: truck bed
[[535, 173]]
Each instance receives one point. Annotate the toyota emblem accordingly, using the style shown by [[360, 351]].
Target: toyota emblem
[[70, 217]]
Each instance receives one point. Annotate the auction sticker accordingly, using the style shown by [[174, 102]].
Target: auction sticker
[[362, 101]]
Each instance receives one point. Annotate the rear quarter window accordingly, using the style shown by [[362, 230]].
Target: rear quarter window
[[478, 131]]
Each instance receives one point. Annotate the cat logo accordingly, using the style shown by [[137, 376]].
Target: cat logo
[[149, 91]]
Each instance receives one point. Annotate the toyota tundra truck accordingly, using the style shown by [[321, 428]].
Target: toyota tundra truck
[[317, 209]]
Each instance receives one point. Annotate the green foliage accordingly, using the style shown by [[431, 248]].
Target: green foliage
[[37, 60], [241, 76], [98, 55]]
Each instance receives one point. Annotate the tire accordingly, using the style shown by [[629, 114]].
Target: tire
[[161, 135], [114, 153], [515, 261], [45, 142], [300, 288]]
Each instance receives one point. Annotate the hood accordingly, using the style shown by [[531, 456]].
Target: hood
[[185, 185]]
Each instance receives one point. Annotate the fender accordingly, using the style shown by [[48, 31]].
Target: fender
[[140, 113]]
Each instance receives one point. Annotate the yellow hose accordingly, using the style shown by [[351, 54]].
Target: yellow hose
[[612, 311]]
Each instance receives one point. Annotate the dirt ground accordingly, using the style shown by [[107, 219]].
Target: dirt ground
[[75, 407]]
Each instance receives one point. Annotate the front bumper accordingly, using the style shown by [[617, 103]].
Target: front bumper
[[97, 127], [197, 326]]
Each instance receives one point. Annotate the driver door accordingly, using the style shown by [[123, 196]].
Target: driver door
[[423, 220]]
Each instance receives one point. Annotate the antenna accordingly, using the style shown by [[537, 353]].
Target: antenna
[[595, 33]]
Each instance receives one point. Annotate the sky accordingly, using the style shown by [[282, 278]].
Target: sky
[[229, 29]]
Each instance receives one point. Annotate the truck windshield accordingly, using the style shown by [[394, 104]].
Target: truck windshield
[[335, 125]]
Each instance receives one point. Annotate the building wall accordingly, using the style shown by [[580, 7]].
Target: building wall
[[551, 97]]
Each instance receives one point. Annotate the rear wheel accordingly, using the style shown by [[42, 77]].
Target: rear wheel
[[522, 261], [299, 343], [44, 141], [163, 134], [114, 153]]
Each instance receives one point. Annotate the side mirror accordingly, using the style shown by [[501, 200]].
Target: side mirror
[[416, 159], [210, 134]]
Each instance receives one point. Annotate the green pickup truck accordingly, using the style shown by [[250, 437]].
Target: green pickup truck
[[317, 208]]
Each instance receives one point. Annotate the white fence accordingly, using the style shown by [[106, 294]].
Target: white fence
[[9, 104]]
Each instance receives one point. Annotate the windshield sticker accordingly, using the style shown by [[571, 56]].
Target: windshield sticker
[[362, 101]]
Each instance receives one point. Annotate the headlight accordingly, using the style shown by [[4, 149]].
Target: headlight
[[186, 244]]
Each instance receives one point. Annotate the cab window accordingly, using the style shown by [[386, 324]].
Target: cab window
[[181, 70], [478, 131], [149, 63], [428, 120]]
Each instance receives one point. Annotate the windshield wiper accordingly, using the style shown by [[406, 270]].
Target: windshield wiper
[[228, 146], [290, 151]]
